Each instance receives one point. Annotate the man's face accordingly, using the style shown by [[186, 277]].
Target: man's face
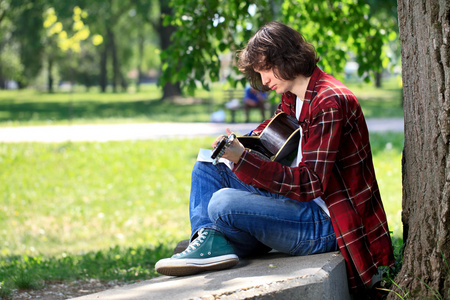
[[274, 82]]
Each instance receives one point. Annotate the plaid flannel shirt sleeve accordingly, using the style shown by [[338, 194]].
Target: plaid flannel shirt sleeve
[[309, 179]]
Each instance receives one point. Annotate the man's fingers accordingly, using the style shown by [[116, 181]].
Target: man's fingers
[[229, 131]]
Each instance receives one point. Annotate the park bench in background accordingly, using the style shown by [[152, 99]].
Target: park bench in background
[[233, 101]]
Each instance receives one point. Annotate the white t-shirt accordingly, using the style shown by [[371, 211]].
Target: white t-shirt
[[298, 159]]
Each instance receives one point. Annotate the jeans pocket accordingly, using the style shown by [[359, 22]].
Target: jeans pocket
[[329, 243]]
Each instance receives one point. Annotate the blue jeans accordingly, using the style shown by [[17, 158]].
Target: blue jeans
[[254, 220]]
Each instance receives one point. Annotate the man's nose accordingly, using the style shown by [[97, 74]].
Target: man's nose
[[265, 80]]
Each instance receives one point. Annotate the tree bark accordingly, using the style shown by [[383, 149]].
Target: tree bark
[[103, 68], [165, 32], [378, 78], [425, 40], [141, 41], [50, 75], [2, 80], [115, 61]]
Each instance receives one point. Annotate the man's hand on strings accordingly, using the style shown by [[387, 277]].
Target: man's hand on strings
[[234, 151]]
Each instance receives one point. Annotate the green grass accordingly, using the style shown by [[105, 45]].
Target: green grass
[[111, 210], [86, 196], [117, 263], [31, 107], [387, 154], [91, 210], [384, 102]]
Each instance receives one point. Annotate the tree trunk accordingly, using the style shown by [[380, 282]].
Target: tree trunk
[[378, 78], [50, 75], [115, 61], [2, 80], [169, 89], [103, 68], [425, 40], [140, 59]]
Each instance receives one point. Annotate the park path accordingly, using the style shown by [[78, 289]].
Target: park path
[[120, 132]]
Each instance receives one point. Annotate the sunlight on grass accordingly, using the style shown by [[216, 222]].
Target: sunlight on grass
[[74, 211], [111, 210], [79, 197], [387, 154]]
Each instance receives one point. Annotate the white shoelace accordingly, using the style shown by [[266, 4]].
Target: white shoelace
[[195, 243]]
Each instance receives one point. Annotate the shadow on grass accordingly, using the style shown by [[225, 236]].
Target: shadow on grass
[[93, 111], [123, 264], [152, 110]]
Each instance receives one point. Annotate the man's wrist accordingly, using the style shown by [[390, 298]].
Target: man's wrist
[[238, 156]]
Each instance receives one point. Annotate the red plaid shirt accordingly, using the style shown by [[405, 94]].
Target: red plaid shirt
[[336, 165]]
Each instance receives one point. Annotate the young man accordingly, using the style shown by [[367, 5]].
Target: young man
[[328, 199]]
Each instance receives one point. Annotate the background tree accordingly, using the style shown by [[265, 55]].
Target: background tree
[[106, 18], [171, 88], [153, 13], [206, 34], [385, 12], [129, 31], [205, 31], [10, 66], [208, 30], [425, 35], [26, 20], [73, 39]]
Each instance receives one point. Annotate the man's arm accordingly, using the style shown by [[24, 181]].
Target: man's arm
[[309, 179]]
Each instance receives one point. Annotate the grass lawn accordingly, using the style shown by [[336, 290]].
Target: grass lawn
[[74, 211], [111, 210]]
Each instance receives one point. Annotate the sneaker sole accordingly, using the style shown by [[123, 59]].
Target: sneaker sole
[[183, 267]]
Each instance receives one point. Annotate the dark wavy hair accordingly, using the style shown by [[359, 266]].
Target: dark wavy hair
[[278, 47]]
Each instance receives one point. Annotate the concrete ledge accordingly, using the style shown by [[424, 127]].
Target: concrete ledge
[[274, 276]]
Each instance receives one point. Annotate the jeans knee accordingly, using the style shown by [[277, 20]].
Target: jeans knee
[[219, 203], [199, 166]]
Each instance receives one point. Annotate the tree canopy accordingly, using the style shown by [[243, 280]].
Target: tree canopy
[[137, 35], [209, 30]]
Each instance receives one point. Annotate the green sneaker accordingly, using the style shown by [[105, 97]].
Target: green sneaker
[[209, 251]]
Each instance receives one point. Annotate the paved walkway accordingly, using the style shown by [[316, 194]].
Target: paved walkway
[[118, 132]]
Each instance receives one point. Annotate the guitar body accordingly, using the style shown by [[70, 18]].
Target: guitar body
[[278, 142]]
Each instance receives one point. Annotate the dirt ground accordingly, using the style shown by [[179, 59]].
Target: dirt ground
[[60, 291]]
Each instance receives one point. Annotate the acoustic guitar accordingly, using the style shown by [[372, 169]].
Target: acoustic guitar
[[277, 142]]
